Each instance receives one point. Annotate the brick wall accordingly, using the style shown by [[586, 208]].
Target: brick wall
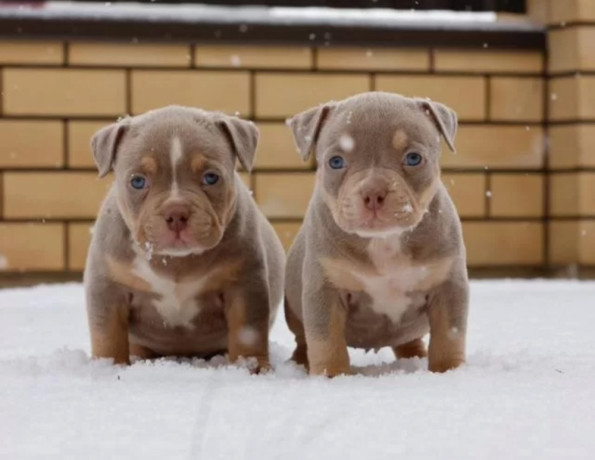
[[56, 95], [571, 120]]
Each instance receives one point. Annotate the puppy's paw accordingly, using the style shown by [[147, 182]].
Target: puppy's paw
[[255, 364], [261, 367], [330, 371], [445, 365]]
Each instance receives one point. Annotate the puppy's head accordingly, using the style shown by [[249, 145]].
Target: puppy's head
[[378, 158], [175, 177]]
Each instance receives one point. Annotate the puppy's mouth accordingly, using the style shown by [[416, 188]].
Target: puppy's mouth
[[394, 217], [189, 236], [178, 245]]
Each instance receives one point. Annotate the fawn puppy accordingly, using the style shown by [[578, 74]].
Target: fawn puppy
[[181, 262], [379, 260]]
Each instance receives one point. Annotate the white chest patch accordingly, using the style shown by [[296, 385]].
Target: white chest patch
[[397, 276], [177, 303], [389, 292]]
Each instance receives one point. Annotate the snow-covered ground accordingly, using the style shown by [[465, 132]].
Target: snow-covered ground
[[528, 390]]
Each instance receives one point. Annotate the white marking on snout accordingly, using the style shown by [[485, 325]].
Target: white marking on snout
[[177, 300], [175, 155]]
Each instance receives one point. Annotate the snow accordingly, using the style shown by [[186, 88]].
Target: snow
[[527, 391], [250, 15]]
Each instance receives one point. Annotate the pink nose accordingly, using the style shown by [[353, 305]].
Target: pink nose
[[177, 218], [373, 198]]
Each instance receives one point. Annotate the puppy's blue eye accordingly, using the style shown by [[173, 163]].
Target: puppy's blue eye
[[210, 179], [138, 182], [413, 159], [337, 162]]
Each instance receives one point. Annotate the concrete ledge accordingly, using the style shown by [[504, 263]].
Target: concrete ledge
[[267, 25]]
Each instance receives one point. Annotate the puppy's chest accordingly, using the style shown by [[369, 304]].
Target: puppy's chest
[[390, 278], [176, 302]]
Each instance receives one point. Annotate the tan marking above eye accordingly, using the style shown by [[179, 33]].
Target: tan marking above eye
[[400, 140], [149, 165], [198, 163]]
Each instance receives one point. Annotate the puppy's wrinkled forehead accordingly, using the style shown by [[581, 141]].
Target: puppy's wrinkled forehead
[[171, 135], [378, 125], [175, 142]]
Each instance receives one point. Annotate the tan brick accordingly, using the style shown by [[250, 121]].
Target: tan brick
[[284, 95], [53, 194], [27, 52], [246, 179], [572, 98], [64, 92], [563, 242], [277, 150], [373, 59], [504, 243], [466, 95], [571, 49], [516, 195], [31, 144], [31, 246], [572, 242], [538, 11], [571, 10], [468, 193], [129, 54], [287, 231], [79, 142], [564, 194], [79, 238], [253, 57], [571, 146], [225, 91], [284, 195], [516, 99], [572, 194], [494, 146], [447, 60], [586, 245]]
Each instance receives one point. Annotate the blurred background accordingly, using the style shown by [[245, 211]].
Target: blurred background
[[520, 74]]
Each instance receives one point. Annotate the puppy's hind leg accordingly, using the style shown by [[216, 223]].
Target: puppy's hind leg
[[414, 349], [300, 354]]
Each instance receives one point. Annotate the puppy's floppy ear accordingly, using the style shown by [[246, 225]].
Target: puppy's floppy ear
[[306, 127], [444, 118], [243, 136], [105, 144]]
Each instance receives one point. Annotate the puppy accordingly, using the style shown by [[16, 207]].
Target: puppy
[[181, 262], [379, 260]]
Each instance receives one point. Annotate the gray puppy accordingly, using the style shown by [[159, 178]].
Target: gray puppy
[[181, 262], [379, 260]]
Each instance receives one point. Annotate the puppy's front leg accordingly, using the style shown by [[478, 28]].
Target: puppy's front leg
[[324, 323], [108, 324], [447, 312], [247, 313]]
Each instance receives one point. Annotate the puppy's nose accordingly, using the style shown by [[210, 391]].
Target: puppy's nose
[[177, 218], [374, 198]]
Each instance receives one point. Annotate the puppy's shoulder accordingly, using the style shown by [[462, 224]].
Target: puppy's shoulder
[[110, 235]]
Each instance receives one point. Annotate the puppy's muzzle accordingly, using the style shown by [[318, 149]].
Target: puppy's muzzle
[[176, 216], [374, 197]]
